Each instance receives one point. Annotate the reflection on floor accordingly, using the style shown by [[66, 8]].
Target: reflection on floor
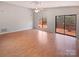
[[66, 31], [38, 43], [66, 45]]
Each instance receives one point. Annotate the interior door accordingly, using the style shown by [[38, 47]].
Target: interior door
[[70, 25], [60, 24]]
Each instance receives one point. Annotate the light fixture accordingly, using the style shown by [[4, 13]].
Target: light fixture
[[36, 10]]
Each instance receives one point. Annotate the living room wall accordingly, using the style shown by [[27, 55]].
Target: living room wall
[[14, 18], [50, 14]]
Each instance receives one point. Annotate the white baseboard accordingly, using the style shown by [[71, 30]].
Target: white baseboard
[[17, 30]]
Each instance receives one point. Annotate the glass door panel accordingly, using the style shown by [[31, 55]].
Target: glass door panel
[[42, 24], [70, 25], [60, 24]]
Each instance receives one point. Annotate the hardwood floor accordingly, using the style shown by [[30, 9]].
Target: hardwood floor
[[38, 43]]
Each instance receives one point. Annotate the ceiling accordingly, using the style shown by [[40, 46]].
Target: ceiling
[[44, 4]]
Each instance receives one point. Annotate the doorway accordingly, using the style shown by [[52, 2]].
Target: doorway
[[42, 23], [66, 24]]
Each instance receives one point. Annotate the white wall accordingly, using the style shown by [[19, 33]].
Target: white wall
[[15, 18], [52, 12]]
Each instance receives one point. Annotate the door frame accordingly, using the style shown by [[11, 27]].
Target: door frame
[[64, 24]]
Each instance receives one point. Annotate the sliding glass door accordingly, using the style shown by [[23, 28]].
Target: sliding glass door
[[66, 24], [70, 25], [60, 24]]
